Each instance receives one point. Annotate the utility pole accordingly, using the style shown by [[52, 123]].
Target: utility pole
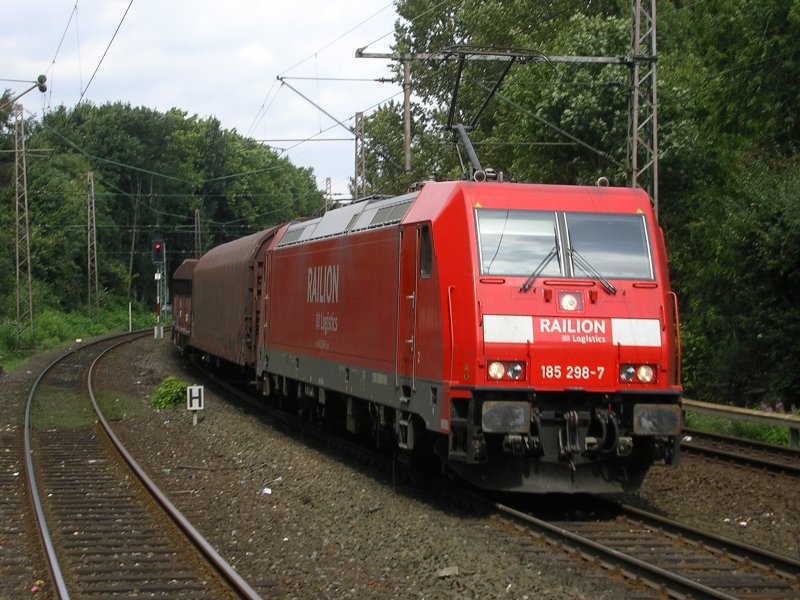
[[328, 195], [642, 143], [197, 245], [93, 295], [407, 116], [132, 252], [360, 179], [24, 287]]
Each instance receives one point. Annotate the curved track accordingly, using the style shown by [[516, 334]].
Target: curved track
[[107, 530]]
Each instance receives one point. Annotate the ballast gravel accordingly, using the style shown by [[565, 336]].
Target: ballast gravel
[[298, 521]]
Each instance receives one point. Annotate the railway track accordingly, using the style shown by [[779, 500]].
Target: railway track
[[742, 451], [662, 558], [106, 528], [676, 560]]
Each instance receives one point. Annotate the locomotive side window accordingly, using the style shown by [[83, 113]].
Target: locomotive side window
[[616, 245], [425, 252], [513, 242]]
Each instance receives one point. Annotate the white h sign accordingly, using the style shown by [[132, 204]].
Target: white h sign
[[194, 397]]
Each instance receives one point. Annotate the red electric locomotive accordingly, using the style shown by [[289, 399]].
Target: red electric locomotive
[[524, 334]]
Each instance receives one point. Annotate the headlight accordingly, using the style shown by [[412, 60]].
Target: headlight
[[637, 373], [627, 373], [496, 370], [570, 301], [512, 370], [645, 373], [515, 371]]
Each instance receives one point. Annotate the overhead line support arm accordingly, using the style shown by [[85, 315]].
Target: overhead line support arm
[[317, 106], [614, 60]]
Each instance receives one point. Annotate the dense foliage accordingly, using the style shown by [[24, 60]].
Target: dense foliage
[[151, 173], [729, 125], [729, 89]]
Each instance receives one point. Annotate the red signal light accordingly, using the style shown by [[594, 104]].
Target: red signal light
[[157, 251]]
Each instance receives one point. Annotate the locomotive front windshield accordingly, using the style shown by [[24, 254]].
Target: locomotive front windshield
[[513, 242], [562, 244]]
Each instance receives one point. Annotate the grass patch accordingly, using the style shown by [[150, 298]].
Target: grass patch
[[115, 407], [753, 431], [53, 408]]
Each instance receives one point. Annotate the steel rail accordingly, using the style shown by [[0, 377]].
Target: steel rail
[[678, 585], [788, 453], [51, 556], [233, 579], [220, 564], [780, 562], [656, 574]]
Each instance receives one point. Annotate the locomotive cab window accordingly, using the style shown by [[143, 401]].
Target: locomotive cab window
[[615, 245], [510, 241], [563, 244]]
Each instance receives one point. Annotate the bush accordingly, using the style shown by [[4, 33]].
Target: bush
[[55, 327], [169, 393]]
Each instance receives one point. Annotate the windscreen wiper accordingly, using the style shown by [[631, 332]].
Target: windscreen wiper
[[581, 262], [538, 271]]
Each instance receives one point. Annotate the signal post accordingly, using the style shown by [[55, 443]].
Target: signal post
[[158, 254]]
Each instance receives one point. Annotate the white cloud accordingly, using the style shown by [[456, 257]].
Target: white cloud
[[212, 59]]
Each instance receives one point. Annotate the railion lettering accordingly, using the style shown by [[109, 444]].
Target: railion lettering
[[573, 326], [323, 284]]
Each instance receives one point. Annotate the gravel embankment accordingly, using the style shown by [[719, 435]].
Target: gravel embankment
[[299, 522]]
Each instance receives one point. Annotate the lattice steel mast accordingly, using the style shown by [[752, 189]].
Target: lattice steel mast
[[642, 139], [24, 286], [360, 171], [643, 116], [93, 292]]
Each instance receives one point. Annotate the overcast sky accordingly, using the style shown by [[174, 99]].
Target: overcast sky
[[216, 59]]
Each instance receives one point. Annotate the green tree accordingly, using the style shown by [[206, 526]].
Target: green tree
[[151, 172]]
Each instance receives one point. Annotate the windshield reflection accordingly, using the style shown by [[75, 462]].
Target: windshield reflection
[[514, 242]]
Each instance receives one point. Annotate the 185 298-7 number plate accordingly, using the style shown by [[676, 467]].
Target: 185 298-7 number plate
[[572, 372]]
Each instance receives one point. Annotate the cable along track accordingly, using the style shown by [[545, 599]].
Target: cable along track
[[100, 517]]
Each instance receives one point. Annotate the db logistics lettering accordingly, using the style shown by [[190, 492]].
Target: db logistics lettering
[[327, 322]]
